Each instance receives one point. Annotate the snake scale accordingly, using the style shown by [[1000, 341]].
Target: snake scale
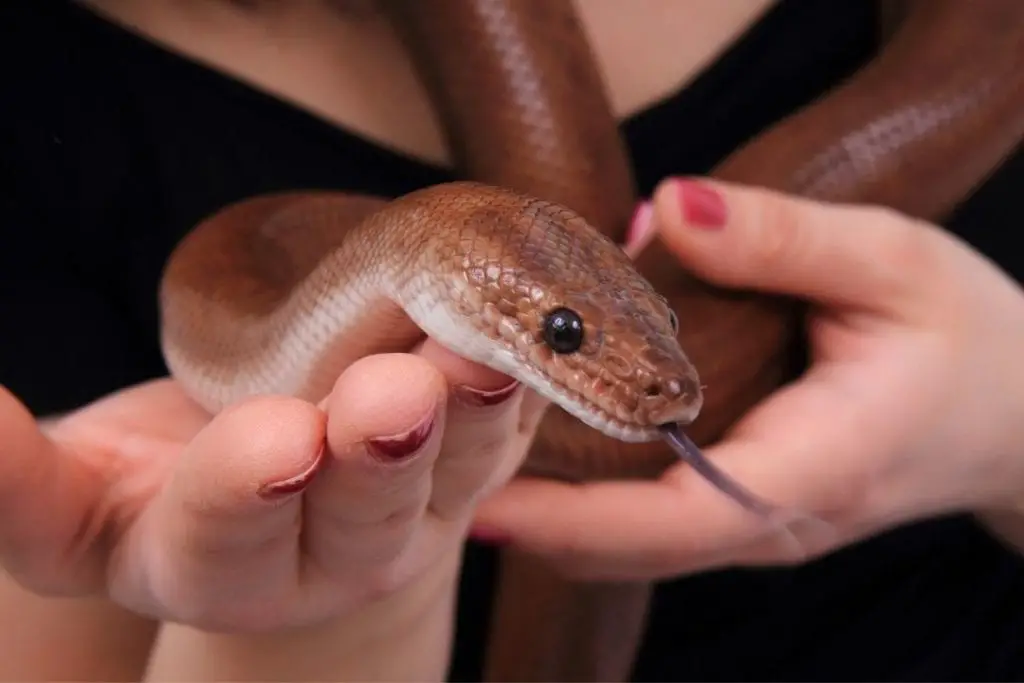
[[517, 268]]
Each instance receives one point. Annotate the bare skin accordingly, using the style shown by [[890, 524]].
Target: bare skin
[[331, 58], [315, 75], [347, 66], [913, 393]]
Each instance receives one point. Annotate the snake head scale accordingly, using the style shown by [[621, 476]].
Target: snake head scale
[[532, 289]]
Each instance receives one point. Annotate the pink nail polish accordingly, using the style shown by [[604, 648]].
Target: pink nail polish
[[702, 205], [640, 225], [479, 398], [286, 488], [404, 445]]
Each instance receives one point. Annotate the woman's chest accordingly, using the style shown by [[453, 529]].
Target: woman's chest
[[352, 71]]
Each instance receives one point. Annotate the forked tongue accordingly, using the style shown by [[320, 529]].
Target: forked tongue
[[778, 517]]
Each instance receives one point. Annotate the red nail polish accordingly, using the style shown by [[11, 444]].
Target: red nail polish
[[479, 398], [640, 223], [486, 535], [285, 488], [702, 205], [402, 446]]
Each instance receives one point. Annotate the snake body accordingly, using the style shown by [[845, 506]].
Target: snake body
[[279, 293]]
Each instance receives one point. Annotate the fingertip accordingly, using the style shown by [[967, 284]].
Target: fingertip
[[460, 372], [22, 439], [249, 447], [384, 431], [641, 229], [694, 247], [381, 396], [45, 493], [481, 431], [684, 203]]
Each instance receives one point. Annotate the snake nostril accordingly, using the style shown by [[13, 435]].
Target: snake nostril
[[674, 399], [670, 389]]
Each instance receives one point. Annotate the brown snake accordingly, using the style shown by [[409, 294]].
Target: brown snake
[[280, 293]]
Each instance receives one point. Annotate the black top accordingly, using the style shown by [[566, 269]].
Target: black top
[[112, 148]]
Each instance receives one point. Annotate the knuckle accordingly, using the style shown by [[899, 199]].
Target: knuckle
[[250, 616], [392, 513], [901, 243], [777, 236], [474, 451], [907, 256], [533, 411], [490, 443], [399, 520], [266, 405], [385, 582], [475, 465]]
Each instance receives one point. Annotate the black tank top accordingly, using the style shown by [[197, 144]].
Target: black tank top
[[112, 148]]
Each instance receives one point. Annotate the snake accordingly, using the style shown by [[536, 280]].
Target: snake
[[517, 265], [278, 294]]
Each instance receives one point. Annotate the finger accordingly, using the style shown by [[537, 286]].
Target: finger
[[862, 257], [485, 431], [386, 420], [641, 230], [593, 542], [681, 523], [225, 526], [51, 517], [569, 525]]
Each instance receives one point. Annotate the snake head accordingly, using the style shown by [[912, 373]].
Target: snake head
[[562, 309]]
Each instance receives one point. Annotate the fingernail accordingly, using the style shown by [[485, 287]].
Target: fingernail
[[404, 445], [486, 535], [478, 398], [277, 490], [702, 205], [640, 224]]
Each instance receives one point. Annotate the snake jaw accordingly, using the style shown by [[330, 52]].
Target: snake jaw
[[585, 410], [481, 339], [626, 404], [510, 355], [590, 413]]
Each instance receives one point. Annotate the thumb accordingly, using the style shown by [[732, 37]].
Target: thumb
[[754, 238], [49, 507]]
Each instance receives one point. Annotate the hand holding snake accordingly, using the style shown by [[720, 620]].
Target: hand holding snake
[[276, 514], [281, 294], [909, 408]]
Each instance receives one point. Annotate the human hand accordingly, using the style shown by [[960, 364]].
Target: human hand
[[911, 407], [276, 513]]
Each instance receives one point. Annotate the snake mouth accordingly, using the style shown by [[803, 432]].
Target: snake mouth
[[591, 414], [506, 357], [586, 410]]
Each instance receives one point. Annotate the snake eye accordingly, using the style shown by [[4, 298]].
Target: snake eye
[[563, 330], [673, 320]]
